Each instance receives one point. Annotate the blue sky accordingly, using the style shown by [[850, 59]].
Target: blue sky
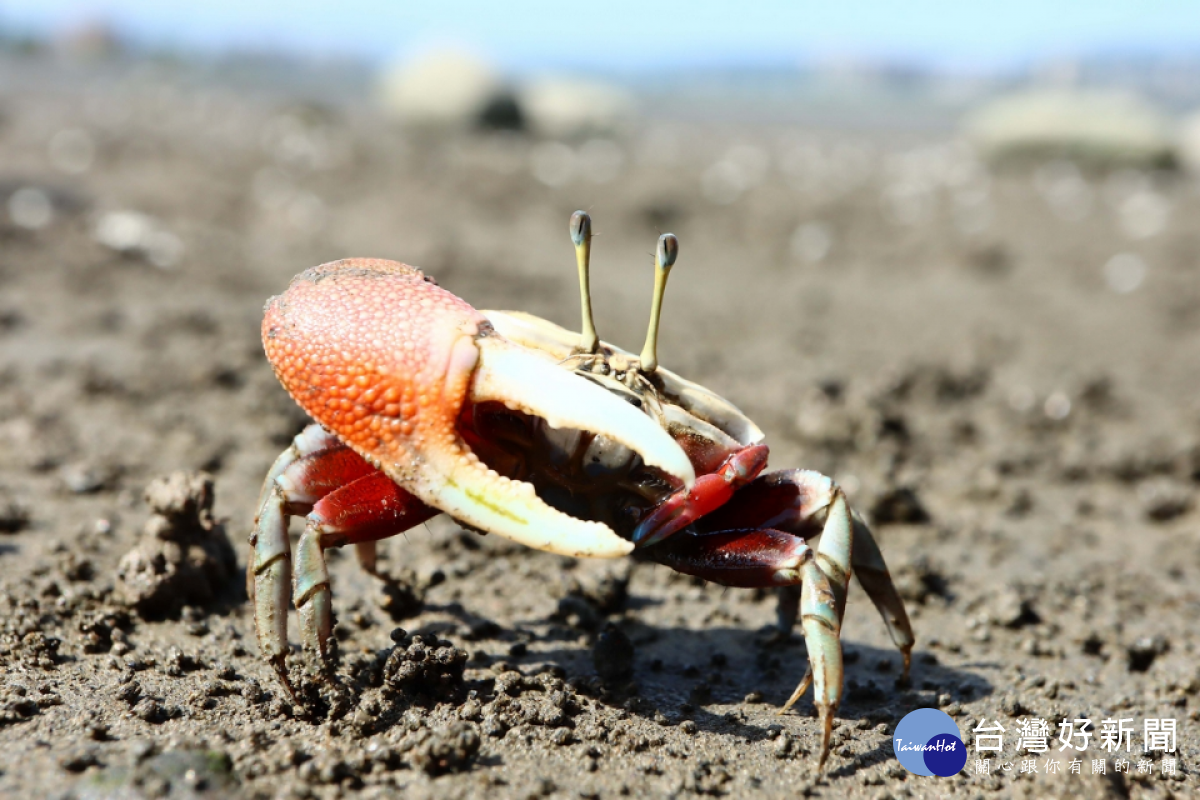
[[627, 34]]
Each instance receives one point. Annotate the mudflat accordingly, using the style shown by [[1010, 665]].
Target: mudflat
[[999, 368]]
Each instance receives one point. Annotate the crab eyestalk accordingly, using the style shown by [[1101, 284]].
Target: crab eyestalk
[[664, 259], [581, 235]]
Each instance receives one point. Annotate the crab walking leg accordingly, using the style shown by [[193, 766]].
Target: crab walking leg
[[825, 580], [787, 611], [315, 465], [365, 511], [268, 577], [873, 575], [367, 557], [766, 557], [834, 554], [747, 559], [797, 501], [822, 624], [822, 606], [310, 440]]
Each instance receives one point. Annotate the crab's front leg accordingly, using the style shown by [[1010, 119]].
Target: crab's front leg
[[765, 557], [269, 575], [347, 502]]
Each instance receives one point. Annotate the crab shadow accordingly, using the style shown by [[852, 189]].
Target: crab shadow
[[684, 673]]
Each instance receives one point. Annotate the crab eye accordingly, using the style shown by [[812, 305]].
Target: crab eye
[[581, 236], [664, 259]]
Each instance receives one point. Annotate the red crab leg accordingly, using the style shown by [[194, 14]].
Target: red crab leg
[[311, 478], [797, 501], [748, 559], [709, 493], [765, 557], [270, 573], [315, 467], [365, 511]]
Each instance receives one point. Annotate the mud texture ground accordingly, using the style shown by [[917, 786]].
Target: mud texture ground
[[946, 343]]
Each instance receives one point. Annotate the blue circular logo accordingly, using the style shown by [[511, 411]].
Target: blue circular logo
[[927, 742]]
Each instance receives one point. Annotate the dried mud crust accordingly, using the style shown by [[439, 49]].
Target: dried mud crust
[[1024, 440]]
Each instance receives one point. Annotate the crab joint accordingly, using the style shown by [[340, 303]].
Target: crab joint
[[581, 235], [664, 259]]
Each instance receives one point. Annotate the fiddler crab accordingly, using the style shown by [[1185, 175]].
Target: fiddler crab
[[556, 440]]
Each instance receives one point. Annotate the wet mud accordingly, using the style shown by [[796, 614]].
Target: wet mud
[[1018, 424]]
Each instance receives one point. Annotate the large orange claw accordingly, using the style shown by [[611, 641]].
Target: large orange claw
[[385, 359]]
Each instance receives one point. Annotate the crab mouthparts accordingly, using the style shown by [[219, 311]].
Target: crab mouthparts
[[527, 383]]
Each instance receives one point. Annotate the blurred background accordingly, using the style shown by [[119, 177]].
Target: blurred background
[[1004, 187], [808, 110], [821, 163]]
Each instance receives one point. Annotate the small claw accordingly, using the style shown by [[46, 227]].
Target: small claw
[[709, 493], [454, 480]]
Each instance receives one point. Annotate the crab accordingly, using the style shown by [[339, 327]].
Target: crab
[[514, 426]]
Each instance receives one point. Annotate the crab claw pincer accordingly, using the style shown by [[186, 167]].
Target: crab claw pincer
[[386, 360]]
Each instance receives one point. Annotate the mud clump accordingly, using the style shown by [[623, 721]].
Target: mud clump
[[16, 705], [1014, 608], [1142, 654], [452, 749], [921, 581], [183, 556], [425, 667]]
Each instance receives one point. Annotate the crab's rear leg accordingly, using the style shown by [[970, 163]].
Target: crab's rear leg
[[798, 502], [766, 557]]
